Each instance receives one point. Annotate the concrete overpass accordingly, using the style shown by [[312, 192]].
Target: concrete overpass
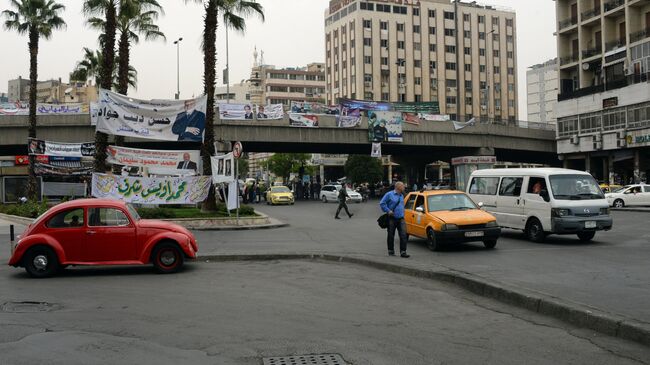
[[430, 141]]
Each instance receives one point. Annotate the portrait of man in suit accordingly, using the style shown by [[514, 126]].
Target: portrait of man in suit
[[189, 125], [228, 168], [186, 164], [248, 112]]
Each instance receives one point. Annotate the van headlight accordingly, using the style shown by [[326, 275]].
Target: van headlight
[[560, 212], [449, 227], [492, 224]]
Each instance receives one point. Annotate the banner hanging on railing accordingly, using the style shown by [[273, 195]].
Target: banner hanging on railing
[[303, 120], [179, 160], [236, 112], [384, 126], [308, 107], [41, 147], [269, 112], [22, 108], [161, 190], [61, 166]]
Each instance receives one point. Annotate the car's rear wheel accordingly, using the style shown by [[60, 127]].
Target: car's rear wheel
[[619, 203], [490, 244], [586, 236], [535, 231], [432, 242], [324, 199], [41, 262], [167, 258]]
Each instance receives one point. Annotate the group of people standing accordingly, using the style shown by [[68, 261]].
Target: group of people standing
[[307, 190]]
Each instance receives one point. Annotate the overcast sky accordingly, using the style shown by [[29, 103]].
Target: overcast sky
[[292, 35]]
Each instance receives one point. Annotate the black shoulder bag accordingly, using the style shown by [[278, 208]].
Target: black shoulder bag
[[382, 221]]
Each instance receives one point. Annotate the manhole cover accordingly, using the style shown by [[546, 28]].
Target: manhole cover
[[316, 359], [28, 307]]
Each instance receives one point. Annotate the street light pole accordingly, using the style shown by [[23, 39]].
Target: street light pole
[[178, 84]]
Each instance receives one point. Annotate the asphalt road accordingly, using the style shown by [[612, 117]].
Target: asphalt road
[[611, 273], [238, 313]]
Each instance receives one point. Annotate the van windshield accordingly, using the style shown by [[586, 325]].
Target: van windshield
[[575, 187]]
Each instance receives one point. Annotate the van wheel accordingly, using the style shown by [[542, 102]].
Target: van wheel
[[586, 236], [490, 244], [619, 203], [535, 231], [40, 262], [167, 258], [432, 243]]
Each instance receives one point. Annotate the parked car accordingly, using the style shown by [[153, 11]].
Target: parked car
[[631, 195], [100, 232], [542, 201], [279, 195], [330, 193], [447, 216]]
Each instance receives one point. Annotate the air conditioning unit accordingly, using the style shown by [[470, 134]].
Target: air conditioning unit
[[598, 145], [575, 139]]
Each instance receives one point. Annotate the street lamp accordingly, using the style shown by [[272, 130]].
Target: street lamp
[[178, 85]]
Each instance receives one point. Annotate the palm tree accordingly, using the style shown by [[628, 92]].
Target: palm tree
[[36, 18], [234, 13], [107, 9], [89, 66]]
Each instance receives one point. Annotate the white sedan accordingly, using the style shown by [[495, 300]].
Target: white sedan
[[330, 193], [631, 195]]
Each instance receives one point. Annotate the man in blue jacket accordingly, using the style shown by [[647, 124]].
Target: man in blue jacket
[[393, 204], [189, 125]]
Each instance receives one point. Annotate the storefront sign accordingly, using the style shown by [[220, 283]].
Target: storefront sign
[[473, 160]]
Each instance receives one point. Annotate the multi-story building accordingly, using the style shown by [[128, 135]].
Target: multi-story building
[[541, 89], [52, 91], [603, 112], [4, 98], [236, 93], [460, 54], [17, 89], [281, 86]]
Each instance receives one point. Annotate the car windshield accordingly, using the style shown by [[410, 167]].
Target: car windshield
[[452, 202], [280, 189], [133, 212], [575, 187]]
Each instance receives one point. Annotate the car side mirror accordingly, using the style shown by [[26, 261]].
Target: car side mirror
[[480, 205], [419, 210], [544, 194]]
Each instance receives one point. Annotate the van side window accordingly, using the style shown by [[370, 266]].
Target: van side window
[[536, 184], [409, 203], [419, 202], [484, 185], [511, 186]]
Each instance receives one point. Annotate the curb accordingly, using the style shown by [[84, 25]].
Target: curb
[[242, 228], [16, 219], [575, 314]]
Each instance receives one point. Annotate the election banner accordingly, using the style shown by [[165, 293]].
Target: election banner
[[271, 111], [22, 108], [236, 111], [385, 126], [147, 190], [223, 168], [308, 107], [41, 147], [411, 118], [460, 125], [348, 118], [180, 160], [432, 107], [376, 150], [94, 109], [16, 108], [303, 120], [165, 120], [435, 117], [61, 166]]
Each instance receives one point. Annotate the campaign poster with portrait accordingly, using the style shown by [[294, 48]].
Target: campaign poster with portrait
[[148, 190], [223, 168], [375, 151], [303, 120], [348, 118], [163, 159], [384, 126], [62, 166], [236, 112], [269, 112], [166, 120], [41, 147], [310, 107]]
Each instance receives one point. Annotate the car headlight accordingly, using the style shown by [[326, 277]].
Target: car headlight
[[560, 212], [604, 211], [449, 227], [491, 224]]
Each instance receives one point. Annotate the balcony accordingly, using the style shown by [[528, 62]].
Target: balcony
[[568, 22], [568, 59], [637, 36], [590, 52], [610, 85], [586, 15], [613, 4], [615, 44]]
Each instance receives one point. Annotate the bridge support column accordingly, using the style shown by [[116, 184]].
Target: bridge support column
[[637, 166], [321, 171], [588, 163], [610, 169], [390, 170]]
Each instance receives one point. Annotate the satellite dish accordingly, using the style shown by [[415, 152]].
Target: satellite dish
[[585, 66], [68, 90]]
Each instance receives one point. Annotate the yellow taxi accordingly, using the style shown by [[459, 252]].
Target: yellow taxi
[[279, 195], [447, 216], [606, 188]]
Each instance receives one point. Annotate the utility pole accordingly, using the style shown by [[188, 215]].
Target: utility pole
[[178, 85], [227, 68]]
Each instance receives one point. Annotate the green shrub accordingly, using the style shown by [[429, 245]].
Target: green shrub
[[30, 209], [156, 213]]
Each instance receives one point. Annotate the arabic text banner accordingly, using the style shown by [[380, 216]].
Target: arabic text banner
[[236, 111], [303, 120], [20, 108], [181, 160], [271, 111], [141, 190], [166, 120], [384, 126], [223, 168], [308, 107], [41, 147]]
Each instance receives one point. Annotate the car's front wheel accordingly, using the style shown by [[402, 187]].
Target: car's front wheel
[[432, 242], [41, 262], [324, 199], [586, 236], [490, 244], [619, 203], [167, 258]]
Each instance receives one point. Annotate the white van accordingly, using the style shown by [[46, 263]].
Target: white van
[[522, 199]]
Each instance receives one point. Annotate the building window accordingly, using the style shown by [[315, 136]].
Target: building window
[[367, 42], [432, 13], [449, 15], [481, 51], [450, 32], [416, 29], [511, 71], [418, 81], [509, 22], [497, 70], [298, 89], [367, 60], [511, 54], [481, 19], [367, 78], [400, 27], [497, 87], [495, 37], [466, 17], [638, 115], [467, 34], [368, 95], [432, 30], [432, 47], [434, 83], [451, 100], [481, 35], [278, 89], [384, 96], [468, 51], [432, 65], [451, 83], [468, 84], [417, 63], [400, 44], [511, 87], [417, 46], [416, 11], [384, 61], [468, 100], [383, 25], [495, 53], [418, 98], [367, 24], [613, 119], [468, 67], [510, 39], [384, 43], [495, 21], [450, 49], [450, 66], [481, 68]]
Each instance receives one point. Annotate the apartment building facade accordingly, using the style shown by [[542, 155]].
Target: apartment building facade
[[461, 54], [270, 85], [52, 91], [604, 91], [541, 91]]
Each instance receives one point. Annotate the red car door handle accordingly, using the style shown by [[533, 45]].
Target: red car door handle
[[90, 232]]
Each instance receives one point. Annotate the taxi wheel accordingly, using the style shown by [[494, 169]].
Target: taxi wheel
[[619, 203], [432, 243], [490, 244], [167, 258], [41, 262]]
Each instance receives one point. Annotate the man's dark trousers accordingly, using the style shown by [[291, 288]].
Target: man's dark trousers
[[400, 225], [343, 205]]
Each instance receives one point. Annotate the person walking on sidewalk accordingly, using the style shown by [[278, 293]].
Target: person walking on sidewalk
[[343, 198], [393, 204]]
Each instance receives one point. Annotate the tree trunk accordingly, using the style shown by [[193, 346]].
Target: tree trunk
[[209, 81], [123, 72], [106, 80], [32, 185]]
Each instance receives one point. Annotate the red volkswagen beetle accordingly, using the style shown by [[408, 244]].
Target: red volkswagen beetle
[[100, 232]]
